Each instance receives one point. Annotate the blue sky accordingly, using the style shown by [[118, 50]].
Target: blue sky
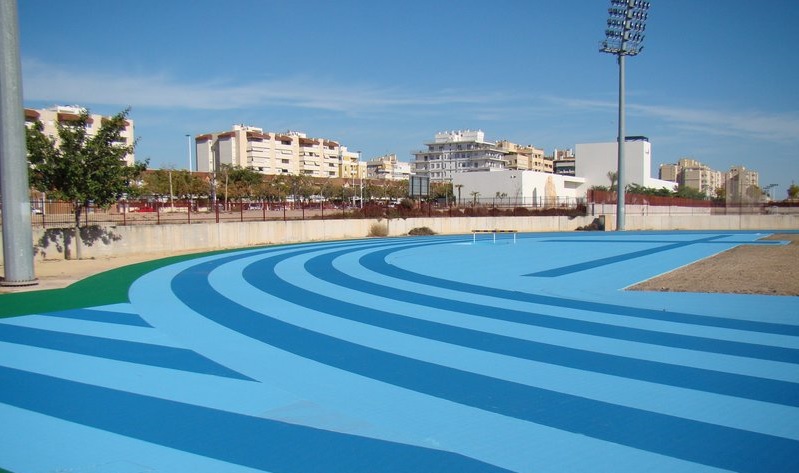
[[716, 81]]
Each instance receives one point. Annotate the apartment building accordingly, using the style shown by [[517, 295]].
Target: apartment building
[[289, 153], [66, 114], [457, 151], [691, 173], [525, 158], [388, 168], [742, 186], [563, 162]]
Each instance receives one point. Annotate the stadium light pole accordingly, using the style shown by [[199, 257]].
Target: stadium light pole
[[17, 234], [624, 36]]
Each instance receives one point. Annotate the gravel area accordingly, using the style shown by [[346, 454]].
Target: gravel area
[[745, 269]]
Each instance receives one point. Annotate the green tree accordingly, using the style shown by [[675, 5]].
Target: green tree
[[690, 193], [720, 194], [81, 168], [793, 191]]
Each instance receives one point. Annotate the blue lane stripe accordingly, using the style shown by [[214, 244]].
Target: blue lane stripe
[[563, 323], [254, 442], [322, 267], [95, 315], [598, 263], [120, 350], [376, 261], [262, 276], [689, 440]]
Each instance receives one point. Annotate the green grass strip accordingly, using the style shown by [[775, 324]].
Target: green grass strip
[[108, 287]]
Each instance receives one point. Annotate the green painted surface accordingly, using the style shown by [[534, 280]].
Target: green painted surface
[[109, 287]]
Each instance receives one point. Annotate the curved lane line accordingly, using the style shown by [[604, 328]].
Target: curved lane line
[[642, 429], [262, 276], [376, 261]]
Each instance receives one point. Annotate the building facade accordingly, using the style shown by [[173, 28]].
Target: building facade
[[388, 168], [289, 153], [525, 158], [452, 152], [692, 173], [595, 161], [742, 186], [66, 114], [563, 162], [518, 188]]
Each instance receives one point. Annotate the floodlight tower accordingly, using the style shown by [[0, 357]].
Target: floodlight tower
[[624, 37]]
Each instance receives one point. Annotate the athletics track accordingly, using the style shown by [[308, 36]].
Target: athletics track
[[427, 354]]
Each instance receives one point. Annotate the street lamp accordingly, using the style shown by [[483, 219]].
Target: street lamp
[[624, 36], [188, 141]]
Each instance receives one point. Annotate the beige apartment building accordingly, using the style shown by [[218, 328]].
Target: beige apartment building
[[388, 167], [693, 174], [289, 153], [66, 114], [743, 186], [525, 158]]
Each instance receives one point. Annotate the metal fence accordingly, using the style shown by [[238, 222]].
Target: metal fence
[[54, 214]]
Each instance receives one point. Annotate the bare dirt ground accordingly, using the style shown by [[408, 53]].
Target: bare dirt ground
[[746, 269]]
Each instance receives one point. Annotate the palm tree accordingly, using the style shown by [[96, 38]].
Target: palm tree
[[612, 175], [475, 195], [459, 187]]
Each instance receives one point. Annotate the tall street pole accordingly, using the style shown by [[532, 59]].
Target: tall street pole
[[624, 36], [17, 232]]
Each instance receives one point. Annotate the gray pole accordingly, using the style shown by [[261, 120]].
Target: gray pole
[[624, 37], [17, 233], [188, 141], [620, 165]]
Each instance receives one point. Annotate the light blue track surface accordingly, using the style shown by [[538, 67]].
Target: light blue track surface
[[411, 355]]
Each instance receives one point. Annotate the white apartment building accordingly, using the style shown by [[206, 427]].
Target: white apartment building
[[66, 114], [452, 152], [388, 168], [289, 153], [593, 161]]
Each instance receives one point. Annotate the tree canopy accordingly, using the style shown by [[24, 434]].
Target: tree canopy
[[80, 167]]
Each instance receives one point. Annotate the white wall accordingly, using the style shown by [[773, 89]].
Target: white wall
[[594, 160], [160, 239], [525, 187]]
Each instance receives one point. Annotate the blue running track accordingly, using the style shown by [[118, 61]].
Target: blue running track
[[430, 354]]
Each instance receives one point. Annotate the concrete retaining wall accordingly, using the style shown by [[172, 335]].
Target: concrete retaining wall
[[144, 239]]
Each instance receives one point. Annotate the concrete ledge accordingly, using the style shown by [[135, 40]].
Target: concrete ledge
[[144, 239]]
